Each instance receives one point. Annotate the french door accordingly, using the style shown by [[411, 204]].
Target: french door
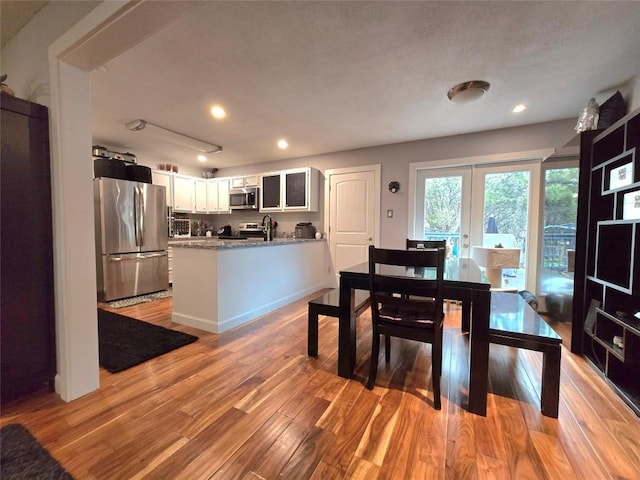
[[443, 207], [483, 206]]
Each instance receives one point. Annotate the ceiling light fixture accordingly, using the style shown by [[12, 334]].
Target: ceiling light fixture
[[172, 136], [202, 158], [282, 143], [521, 107], [468, 92], [218, 112]]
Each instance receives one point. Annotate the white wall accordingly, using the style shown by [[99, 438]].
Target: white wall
[[395, 160], [631, 93], [25, 57]]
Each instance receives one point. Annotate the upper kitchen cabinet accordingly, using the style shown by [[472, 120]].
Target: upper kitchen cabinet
[[161, 177], [293, 190], [270, 193], [184, 193], [218, 195], [200, 195], [246, 181]]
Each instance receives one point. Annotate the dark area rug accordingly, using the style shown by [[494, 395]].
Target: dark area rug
[[124, 342], [22, 457]]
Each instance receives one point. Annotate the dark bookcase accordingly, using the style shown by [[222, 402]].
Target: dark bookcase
[[27, 319], [607, 286]]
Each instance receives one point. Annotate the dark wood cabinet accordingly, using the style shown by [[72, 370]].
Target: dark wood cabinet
[[27, 319], [607, 275]]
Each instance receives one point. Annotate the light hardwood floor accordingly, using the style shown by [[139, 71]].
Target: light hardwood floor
[[250, 404]]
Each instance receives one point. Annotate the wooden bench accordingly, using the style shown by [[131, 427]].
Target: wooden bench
[[328, 304], [515, 324]]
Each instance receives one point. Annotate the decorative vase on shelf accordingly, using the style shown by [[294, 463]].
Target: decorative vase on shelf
[[4, 87]]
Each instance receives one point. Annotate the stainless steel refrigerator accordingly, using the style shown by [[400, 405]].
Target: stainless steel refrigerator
[[131, 238]]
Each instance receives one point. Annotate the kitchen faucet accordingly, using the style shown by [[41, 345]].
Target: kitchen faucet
[[267, 227]]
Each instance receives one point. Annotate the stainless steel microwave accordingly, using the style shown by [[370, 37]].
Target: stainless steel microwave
[[243, 198]]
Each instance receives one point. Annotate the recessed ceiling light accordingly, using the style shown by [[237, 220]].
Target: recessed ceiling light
[[468, 92], [521, 107], [282, 143], [202, 158], [218, 112]]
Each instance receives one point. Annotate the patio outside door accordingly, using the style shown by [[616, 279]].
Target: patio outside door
[[443, 208], [479, 206]]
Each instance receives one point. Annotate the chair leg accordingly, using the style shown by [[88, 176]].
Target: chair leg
[[436, 371], [436, 388], [312, 332], [387, 348], [373, 364]]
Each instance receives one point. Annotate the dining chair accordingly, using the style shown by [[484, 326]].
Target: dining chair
[[405, 303], [421, 244]]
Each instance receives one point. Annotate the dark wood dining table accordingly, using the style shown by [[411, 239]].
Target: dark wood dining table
[[464, 282]]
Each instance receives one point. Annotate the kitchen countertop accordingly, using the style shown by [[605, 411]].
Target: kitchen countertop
[[212, 243]]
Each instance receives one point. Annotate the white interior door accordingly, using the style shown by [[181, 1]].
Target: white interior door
[[353, 215]]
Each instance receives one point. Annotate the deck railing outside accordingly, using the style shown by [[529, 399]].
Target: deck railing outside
[[554, 247]]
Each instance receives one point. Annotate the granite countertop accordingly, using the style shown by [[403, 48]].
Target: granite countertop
[[212, 243]]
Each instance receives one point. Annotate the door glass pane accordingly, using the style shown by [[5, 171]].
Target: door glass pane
[[559, 240], [505, 220], [443, 210]]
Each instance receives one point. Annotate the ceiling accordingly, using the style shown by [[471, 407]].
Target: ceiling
[[333, 76], [15, 15]]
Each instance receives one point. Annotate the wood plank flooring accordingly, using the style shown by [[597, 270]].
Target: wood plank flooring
[[250, 404]]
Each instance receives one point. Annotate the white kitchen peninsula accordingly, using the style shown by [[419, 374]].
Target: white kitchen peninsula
[[220, 284]]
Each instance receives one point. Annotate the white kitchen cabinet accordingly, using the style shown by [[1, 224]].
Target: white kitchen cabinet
[[183, 193], [218, 195], [237, 182], [246, 181], [200, 195], [170, 263], [271, 193], [212, 195], [223, 196], [294, 190], [165, 179]]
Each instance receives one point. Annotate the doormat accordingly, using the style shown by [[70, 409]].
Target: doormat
[[22, 457], [124, 342], [150, 297]]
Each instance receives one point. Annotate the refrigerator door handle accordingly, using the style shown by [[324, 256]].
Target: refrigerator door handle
[[141, 200], [136, 257], [153, 255], [138, 212]]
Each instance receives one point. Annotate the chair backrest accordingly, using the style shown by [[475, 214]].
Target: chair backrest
[[418, 278], [421, 244]]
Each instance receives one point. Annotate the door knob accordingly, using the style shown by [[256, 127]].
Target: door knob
[[370, 238], [465, 236]]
